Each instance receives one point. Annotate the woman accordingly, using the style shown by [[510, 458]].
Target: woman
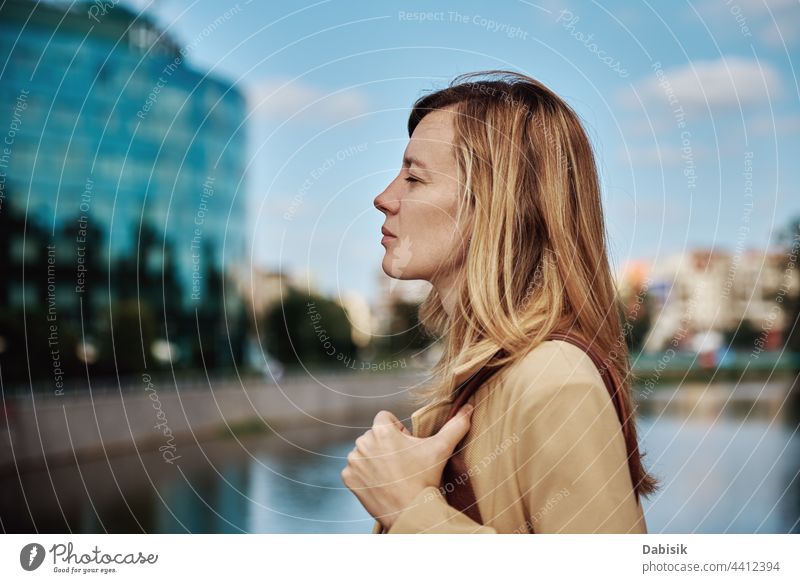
[[497, 205]]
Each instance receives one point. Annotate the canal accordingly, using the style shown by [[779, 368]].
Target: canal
[[725, 467]]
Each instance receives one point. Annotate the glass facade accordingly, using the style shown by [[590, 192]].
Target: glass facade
[[121, 170]]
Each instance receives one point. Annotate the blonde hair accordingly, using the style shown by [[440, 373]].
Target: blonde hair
[[537, 260]]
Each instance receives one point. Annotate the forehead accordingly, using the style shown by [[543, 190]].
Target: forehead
[[432, 140]]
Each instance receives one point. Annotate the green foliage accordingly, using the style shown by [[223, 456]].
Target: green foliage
[[744, 337], [405, 331], [306, 329], [637, 321], [791, 238], [33, 345], [65, 274], [133, 327]]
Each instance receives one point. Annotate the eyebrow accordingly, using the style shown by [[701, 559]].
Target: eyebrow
[[410, 160]]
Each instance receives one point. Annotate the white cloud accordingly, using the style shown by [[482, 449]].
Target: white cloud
[[280, 99], [724, 83], [767, 125]]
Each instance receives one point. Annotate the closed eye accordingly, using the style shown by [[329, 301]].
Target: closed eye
[[411, 179]]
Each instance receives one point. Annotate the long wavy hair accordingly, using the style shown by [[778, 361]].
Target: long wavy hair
[[537, 257]]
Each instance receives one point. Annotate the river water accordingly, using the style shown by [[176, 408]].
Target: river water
[[732, 469]]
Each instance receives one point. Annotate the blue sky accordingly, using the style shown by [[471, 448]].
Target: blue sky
[[694, 111]]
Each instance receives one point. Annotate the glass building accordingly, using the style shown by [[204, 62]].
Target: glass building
[[121, 195]]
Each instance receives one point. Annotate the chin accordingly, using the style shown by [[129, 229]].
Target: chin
[[395, 268]]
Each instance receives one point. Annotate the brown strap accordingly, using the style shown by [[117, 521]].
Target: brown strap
[[455, 477], [456, 483]]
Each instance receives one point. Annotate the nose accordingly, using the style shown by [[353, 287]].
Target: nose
[[387, 202]]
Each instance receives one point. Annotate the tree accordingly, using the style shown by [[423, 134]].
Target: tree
[[637, 320], [790, 237], [405, 331], [307, 329], [133, 328]]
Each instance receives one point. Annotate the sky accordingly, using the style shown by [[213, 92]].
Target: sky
[[693, 110]]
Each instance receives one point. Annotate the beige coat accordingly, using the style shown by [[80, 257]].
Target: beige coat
[[545, 448]]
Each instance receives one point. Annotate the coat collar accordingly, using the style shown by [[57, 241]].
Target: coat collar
[[428, 419]]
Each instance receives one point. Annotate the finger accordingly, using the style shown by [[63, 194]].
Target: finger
[[387, 418], [456, 428]]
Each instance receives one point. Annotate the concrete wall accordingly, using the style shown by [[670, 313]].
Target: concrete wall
[[61, 427]]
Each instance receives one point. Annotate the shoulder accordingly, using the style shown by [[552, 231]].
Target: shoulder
[[556, 398], [553, 369], [554, 361]]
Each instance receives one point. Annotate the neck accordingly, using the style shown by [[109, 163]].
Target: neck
[[446, 288]]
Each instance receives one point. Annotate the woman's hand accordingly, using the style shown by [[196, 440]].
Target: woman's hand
[[389, 466]]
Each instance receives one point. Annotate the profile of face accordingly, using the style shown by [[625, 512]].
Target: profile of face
[[423, 237]]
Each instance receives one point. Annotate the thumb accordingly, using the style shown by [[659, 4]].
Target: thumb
[[456, 428], [389, 418]]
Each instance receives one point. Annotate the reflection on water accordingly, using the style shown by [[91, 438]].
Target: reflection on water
[[258, 483], [270, 493], [729, 476], [728, 471]]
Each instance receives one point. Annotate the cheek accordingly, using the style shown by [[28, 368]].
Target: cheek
[[430, 223]]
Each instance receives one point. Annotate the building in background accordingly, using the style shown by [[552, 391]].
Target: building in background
[[360, 316], [396, 327], [122, 199], [393, 292], [700, 295]]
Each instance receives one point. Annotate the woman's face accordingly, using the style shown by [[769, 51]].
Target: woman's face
[[420, 205]]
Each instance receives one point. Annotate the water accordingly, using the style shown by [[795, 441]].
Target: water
[[729, 476], [722, 472], [258, 483]]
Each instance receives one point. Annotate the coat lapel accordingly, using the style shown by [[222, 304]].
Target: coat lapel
[[426, 420]]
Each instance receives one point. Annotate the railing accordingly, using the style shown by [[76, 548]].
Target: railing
[[185, 380]]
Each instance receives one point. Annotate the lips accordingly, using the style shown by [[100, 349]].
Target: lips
[[386, 232]]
